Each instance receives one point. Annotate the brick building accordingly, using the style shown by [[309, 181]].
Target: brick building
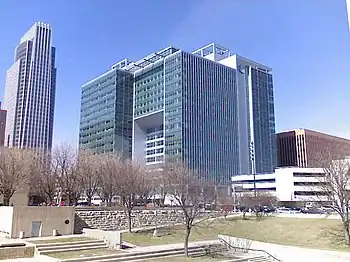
[[304, 148]]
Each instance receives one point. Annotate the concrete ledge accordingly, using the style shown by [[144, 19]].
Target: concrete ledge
[[12, 244], [112, 238], [43, 252], [70, 246], [17, 252], [58, 244]]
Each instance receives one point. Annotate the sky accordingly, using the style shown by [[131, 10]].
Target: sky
[[306, 43]]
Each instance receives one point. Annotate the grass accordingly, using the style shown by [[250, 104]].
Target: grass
[[82, 253], [304, 232], [60, 240]]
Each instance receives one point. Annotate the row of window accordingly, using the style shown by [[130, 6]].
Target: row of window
[[154, 159], [157, 143], [155, 151]]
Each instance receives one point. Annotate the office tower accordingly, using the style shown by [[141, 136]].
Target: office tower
[[256, 116], [30, 91], [188, 105], [307, 148], [2, 125], [106, 113]]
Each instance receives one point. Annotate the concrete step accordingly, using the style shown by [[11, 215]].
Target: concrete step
[[70, 246], [260, 259], [68, 243], [146, 257], [47, 252], [131, 256], [248, 259]]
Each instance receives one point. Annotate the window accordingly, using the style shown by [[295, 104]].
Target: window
[[160, 143], [160, 150]]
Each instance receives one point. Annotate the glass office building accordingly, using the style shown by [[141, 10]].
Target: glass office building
[[106, 113], [194, 106]]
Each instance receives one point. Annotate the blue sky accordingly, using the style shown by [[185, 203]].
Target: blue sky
[[306, 42]]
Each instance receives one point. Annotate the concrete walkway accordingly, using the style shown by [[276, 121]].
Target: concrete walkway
[[170, 246], [292, 253]]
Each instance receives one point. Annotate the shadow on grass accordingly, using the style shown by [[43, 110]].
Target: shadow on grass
[[335, 235]]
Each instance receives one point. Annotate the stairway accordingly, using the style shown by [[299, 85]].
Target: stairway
[[140, 256], [47, 248]]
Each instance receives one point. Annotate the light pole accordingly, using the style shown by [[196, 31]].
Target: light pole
[[253, 165], [155, 232]]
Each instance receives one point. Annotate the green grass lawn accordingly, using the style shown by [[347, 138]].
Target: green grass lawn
[[314, 233], [60, 240], [82, 253]]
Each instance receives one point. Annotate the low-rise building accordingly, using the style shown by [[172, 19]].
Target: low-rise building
[[291, 185]]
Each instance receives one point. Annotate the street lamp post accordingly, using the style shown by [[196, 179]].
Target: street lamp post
[[253, 166]]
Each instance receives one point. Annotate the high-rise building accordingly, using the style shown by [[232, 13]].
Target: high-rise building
[[2, 125], [306, 148], [30, 91], [213, 109], [106, 113]]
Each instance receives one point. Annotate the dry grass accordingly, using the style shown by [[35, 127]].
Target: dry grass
[[314, 233]]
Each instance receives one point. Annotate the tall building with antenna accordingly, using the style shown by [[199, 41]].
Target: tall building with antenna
[[30, 91]]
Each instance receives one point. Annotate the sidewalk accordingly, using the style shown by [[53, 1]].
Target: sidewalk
[[170, 246]]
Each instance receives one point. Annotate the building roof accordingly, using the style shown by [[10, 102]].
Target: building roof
[[308, 131]]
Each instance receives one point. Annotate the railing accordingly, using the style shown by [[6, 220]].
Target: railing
[[250, 249]]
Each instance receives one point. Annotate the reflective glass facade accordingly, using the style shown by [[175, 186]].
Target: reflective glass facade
[[200, 115], [149, 93], [263, 121], [199, 107], [106, 113]]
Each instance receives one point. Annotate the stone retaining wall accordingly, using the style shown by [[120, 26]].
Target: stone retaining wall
[[117, 220], [16, 252]]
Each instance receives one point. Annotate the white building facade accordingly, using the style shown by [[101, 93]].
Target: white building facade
[[289, 184], [30, 91]]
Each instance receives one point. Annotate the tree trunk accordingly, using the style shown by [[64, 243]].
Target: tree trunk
[[187, 237], [129, 220], [89, 200], [6, 201], [346, 232]]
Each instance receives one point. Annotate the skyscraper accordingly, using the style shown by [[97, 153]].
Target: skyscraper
[[106, 113], [257, 141], [30, 91], [200, 106], [2, 125]]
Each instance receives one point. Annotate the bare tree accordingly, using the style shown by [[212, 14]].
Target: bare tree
[[15, 169], [90, 173], [261, 199], [44, 179], [111, 171], [190, 194], [335, 188], [65, 159], [132, 187]]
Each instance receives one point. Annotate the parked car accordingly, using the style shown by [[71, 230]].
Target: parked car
[[313, 211]]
